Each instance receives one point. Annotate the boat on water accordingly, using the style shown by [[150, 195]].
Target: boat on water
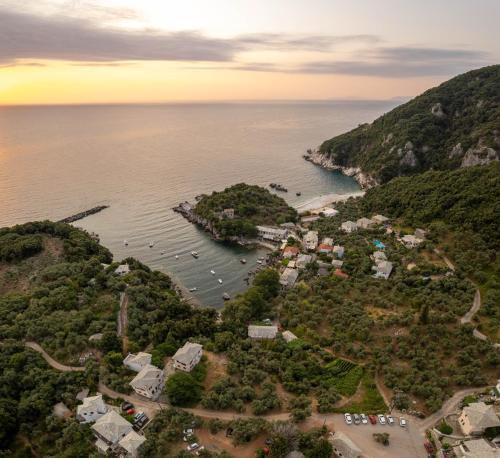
[[151, 244], [298, 193], [176, 256], [259, 261], [194, 254], [193, 289], [243, 261], [226, 297], [220, 280], [212, 272], [162, 252], [125, 242]]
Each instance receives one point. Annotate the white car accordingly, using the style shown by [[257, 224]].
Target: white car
[[390, 420], [402, 422], [381, 419], [364, 419], [348, 418], [188, 431], [197, 453], [192, 446]]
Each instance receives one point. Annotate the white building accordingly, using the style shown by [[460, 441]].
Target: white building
[[303, 260], [380, 219], [136, 361], [188, 356], [149, 382], [365, 223], [337, 263], [327, 241], [130, 444], [349, 226], [311, 240], [109, 430], [122, 269], [289, 277], [338, 251], [476, 417], [91, 409], [274, 234], [289, 336], [327, 212], [477, 448], [262, 332], [410, 241], [379, 256], [382, 269]]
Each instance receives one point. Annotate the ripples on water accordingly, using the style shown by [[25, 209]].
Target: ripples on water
[[144, 159]]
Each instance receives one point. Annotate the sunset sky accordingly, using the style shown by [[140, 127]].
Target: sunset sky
[[56, 51]]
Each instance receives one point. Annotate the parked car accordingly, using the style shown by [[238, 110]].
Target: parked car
[[390, 420], [348, 418], [269, 441], [357, 419], [429, 447], [364, 419], [381, 419], [192, 446], [131, 411], [373, 419], [127, 406], [402, 422], [197, 453], [188, 431]]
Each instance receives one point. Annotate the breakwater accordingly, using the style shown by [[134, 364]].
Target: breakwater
[[84, 214]]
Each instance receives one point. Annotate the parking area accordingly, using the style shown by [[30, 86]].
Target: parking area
[[405, 442]]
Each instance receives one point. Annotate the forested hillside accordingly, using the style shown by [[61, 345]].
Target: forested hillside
[[452, 125], [252, 206]]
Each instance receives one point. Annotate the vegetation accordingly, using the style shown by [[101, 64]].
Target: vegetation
[[182, 389], [382, 438], [252, 206], [423, 134]]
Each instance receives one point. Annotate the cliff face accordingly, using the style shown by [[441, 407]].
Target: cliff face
[[456, 124]]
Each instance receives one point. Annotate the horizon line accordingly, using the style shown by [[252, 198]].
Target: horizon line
[[207, 102]]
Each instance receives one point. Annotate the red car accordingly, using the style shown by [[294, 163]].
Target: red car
[[130, 411], [428, 446], [373, 419]]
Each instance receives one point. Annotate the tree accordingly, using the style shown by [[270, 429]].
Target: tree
[[182, 389], [321, 449], [382, 438]]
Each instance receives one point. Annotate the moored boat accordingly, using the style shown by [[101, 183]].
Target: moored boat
[[194, 254], [226, 297]]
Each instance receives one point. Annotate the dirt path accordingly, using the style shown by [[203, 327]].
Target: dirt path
[[476, 304], [123, 322], [52, 362]]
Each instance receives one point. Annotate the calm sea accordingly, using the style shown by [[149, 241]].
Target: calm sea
[[144, 159]]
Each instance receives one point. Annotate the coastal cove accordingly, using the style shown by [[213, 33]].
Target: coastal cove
[[144, 160]]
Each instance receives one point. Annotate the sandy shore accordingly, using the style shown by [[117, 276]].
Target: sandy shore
[[323, 201]]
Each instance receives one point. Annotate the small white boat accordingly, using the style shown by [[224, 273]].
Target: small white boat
[[162, 252], [194, 254], [220, 280], [176, 256], [243, 261], [259, 261], [212, 272], [226, 297], [151, 244], [193, 289], [125, 242]]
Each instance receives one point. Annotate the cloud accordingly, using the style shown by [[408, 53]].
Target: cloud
[[27, 36], [83, 38], [402, 62], [308, 42]]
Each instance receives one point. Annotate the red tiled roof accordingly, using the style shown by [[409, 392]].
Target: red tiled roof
[[325, 247], [340, 274], [291, 249]]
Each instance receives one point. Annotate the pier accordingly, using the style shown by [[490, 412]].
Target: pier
[[84, 214]]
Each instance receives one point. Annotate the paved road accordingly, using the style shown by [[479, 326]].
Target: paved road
[[123, 321]]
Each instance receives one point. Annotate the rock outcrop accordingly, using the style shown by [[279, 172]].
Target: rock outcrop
[[480, 155], [364, 179]]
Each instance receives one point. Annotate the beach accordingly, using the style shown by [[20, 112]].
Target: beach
[[324, 200]]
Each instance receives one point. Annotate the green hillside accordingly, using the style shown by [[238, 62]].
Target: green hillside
[[452, 125], [252, 206]]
